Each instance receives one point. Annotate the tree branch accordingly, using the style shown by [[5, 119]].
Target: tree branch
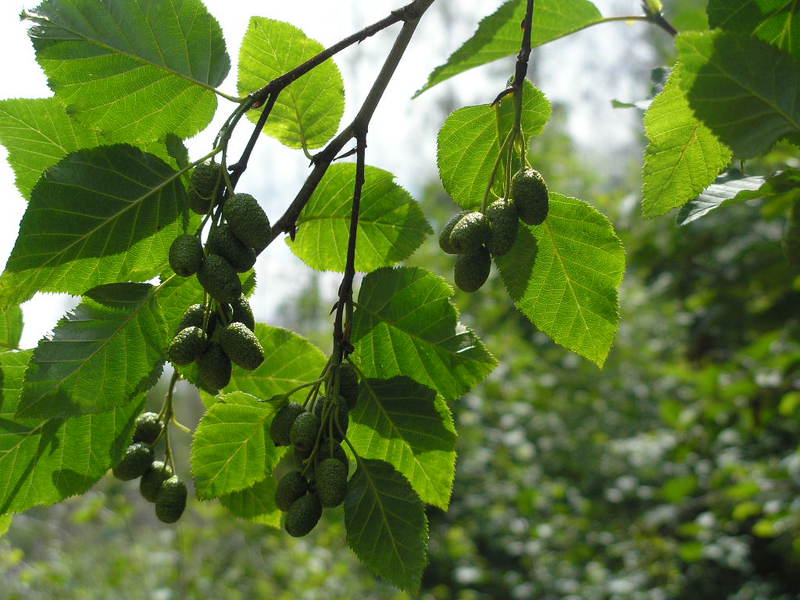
[[411, 15]]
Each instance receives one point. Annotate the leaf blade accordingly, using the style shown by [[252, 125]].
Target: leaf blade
[[391, 225], [563, 275]]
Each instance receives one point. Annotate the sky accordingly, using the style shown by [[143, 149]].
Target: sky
[[579, 72]]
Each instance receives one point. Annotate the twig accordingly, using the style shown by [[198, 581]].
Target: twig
[[239, 167], [341, 328], [410, 15]]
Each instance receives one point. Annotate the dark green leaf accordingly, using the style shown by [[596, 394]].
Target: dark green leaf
[[728, 186], [386, 523], [101, 215], [500, 35], [564, 274], [139, 69], [307, 112], [774, 21], [406, 325], [391, 225], [743, 89], [404, 423], [43, 461]]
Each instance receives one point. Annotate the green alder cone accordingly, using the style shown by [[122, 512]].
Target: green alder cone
[[205, 187], [186, 255], [192, 317], [348, 384], [303, 515], [303, 433], [242, 313], [291, 487], [215, 367], [504, 221], [247, 221], [529, 192], [137, 459], [219, 279], [187, 345], [147, 428], [331, 482], [470, 233], [444, 236], [472, 270], [150, 483], [222, 242], [282, 423], [171, 500], [242, 346], [324, 452]]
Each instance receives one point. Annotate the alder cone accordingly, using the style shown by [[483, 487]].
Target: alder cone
[[147, 428], [282, 423], [187, 345], [242, 313], [192, 317], [186, 255], [291, 487], [444, 235], [242, 346], [222, 242], [247, 220], [150, 483], [303, 433], [171, 500], [331, 482], [137, 459], [215, 367], [205, 187], [471, 232], [303, 515], [348, 384], [529, 192], [219, 279], [472, 270], [504, 222], [324, 452]]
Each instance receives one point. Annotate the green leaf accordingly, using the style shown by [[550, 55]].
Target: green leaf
[[139, 69], [386, 524], [731, 185], [774, 21], [683, 155], [563, 275], [307, 112], [391, 225], [255, 503], [38, 133], [404, 423], [100, 215], [405, 324], [115, 340], [500, 35], [10, 327], [232, 448], [43, 461], [468, 143], [743, 89]]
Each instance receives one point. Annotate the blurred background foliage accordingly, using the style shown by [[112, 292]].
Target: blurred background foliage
[[673, 473]]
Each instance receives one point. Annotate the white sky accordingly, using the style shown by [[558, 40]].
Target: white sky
[[402, 134]]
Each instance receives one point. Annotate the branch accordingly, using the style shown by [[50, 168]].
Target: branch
[[341, 333], [411, 15]]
